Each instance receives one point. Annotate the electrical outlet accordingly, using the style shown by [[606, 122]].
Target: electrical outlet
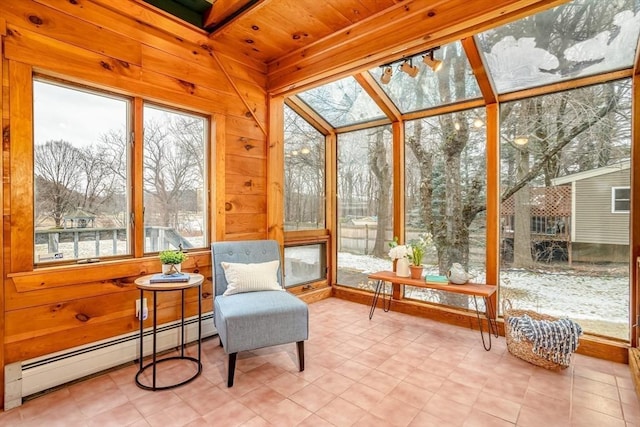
[[145, 310]]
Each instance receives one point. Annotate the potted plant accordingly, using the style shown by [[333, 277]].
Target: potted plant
[[417, 249], [172, 261]]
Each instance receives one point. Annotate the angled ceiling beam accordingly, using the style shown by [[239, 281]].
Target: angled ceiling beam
[[224, 12], [477, 65], [379, 96], [309, 114]]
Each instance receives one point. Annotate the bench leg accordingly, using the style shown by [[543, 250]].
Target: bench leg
[[301, 354], [232, 368]]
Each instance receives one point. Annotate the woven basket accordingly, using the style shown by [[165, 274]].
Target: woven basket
[[523, 349]]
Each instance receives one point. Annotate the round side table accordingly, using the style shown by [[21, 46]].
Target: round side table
[[144, 284]]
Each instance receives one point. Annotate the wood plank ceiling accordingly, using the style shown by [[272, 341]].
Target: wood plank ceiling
[[303, 42]]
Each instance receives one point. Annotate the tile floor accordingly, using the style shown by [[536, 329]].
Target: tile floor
[[395, 370]]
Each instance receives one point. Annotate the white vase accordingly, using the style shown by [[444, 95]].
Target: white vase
[[171, 268], [402, 268]]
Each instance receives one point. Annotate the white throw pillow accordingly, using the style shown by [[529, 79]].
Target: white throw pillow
[[251, 277]]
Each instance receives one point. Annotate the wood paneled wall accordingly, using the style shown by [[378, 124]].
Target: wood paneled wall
[[51, 309]]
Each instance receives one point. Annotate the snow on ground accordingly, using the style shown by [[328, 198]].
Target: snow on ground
[[601, 301]]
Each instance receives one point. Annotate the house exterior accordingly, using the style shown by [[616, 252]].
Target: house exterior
[[600, 213]]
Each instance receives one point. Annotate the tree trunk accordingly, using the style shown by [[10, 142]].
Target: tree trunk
[[522, 226], [382, 171]]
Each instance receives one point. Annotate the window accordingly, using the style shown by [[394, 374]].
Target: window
[[304, 169], [556, 211], [304, 264], [81, 161], [445, 197], [365, 205], [175, 208], [620, 199]]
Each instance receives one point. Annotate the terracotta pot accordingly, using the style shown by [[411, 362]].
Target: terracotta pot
[[416, 271]]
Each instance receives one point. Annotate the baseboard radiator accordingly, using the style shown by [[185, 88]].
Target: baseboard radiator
[[29, 377]]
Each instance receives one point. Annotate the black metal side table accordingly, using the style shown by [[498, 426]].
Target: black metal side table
[[143, 283]]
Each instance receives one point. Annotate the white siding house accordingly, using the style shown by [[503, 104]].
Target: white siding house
[[600, 212]]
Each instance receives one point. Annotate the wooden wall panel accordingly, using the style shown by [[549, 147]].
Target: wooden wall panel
[[241, 146], [88, 42], [21, 159], [46, 21]]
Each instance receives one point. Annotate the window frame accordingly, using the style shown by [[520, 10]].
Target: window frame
[[615, 199], [207, 167], [28, 265]]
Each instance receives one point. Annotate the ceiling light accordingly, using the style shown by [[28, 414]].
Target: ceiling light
[[305, 150], [434, 64], [521, 140], [294, 153], [410, 69], [478, 123], [385, 78], [456, 125]]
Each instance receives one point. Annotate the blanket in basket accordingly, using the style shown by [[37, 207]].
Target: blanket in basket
[[553, 340]]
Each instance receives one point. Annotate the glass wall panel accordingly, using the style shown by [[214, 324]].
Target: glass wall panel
[[304, 174], [175, 153], [579, 38], [564, 232], [428, 89], [342, 103], [80, 166], [365, 213], [445, 196]]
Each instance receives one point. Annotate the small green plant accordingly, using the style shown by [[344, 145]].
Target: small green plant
[[418, 247], [172, 256]]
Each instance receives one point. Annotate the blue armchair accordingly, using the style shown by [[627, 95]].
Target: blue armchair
[[260, 318]]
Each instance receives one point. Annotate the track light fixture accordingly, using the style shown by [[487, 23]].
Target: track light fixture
[[429, 60], [408, 67], [387, 72]]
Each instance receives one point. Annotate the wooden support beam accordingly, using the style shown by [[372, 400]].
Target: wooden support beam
[[309, 114], [217, 202], [331, 203], [398, 181], [634, 214], [565, 85], [378, 95], [492, 225], [479, 70], [275, 171], [224, 12], [239, 93], [364, 125], [21, 164]]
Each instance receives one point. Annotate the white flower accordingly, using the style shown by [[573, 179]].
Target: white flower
[[398, 252]]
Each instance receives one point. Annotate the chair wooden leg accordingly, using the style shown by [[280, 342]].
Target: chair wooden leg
[[301, 354], [232, 368]]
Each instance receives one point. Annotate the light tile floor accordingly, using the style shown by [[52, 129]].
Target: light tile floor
[[393, 370]]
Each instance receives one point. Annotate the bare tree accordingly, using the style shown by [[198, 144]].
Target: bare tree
[[58, 178], [171, 170]]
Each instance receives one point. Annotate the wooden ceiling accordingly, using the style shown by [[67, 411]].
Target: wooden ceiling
[[305, 42]]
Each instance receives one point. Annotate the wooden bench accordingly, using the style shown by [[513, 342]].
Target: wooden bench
[[472, 289]]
